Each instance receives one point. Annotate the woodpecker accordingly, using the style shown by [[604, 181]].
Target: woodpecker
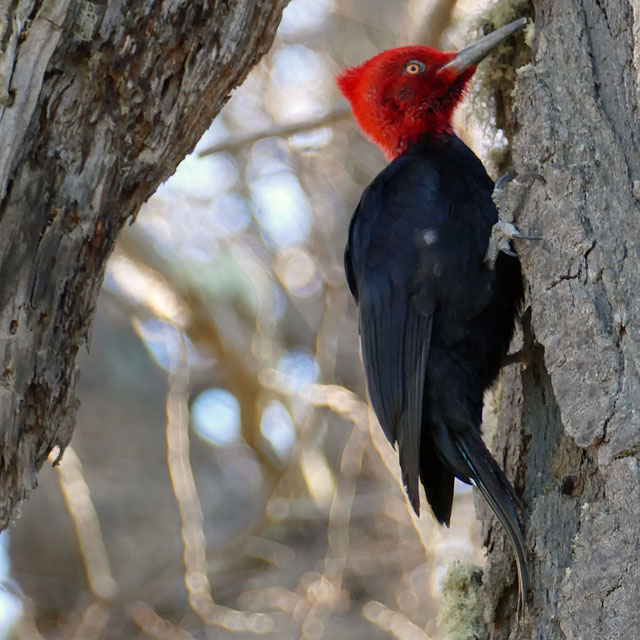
[[435, 315]]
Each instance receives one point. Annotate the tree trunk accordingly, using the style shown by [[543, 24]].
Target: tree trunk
[[572, 412], [99, 101]]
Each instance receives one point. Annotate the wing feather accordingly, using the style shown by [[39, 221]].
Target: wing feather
[[395, 349]]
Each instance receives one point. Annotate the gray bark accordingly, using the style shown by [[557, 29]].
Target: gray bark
[[99, 101], [571, 414]]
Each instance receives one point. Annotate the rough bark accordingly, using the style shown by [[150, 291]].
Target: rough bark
[[99, 101], [571, 414]]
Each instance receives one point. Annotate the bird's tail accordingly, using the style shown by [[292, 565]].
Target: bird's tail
[[502, 499]]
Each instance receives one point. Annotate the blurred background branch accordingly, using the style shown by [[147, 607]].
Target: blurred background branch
[[283, 131], [85, 520]]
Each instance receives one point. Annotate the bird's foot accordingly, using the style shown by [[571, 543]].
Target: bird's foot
[[521, 179], [503, 232]]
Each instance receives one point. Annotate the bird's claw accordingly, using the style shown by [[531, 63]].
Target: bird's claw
[[525, 178], [505, 178], [509, 231], [502, 233]]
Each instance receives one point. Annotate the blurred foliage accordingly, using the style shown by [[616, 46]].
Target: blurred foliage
[[223, 480]]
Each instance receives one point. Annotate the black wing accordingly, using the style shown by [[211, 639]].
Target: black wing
[[388, 276]]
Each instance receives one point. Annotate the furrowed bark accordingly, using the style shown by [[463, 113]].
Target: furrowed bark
[[99, 101], [571, 414]]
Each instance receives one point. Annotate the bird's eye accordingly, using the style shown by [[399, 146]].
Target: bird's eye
[[414, 67]]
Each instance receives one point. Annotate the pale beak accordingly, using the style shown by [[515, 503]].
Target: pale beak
[[480, 49]]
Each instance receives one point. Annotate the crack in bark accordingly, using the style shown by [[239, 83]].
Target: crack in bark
[[602, 101], [9, 25]]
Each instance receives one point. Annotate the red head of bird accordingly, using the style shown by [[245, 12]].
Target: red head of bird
[[403, 94]]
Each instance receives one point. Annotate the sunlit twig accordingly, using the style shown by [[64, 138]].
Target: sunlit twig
[[284, 131], [92, 622], [153, 625], [82, 511], [184, 487], [348, 405], [393, 621], [192, 531], [328, 590]]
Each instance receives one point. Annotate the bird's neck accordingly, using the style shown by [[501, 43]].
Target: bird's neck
[[431, 139], [422, 130]]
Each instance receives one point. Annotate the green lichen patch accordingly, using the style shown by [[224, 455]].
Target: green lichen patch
[[461, 615]]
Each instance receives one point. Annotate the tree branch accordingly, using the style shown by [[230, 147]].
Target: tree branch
[[94, 127], [284, 131]]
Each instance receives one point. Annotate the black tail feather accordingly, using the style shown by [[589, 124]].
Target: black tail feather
[[500, 496], [437, 481]]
